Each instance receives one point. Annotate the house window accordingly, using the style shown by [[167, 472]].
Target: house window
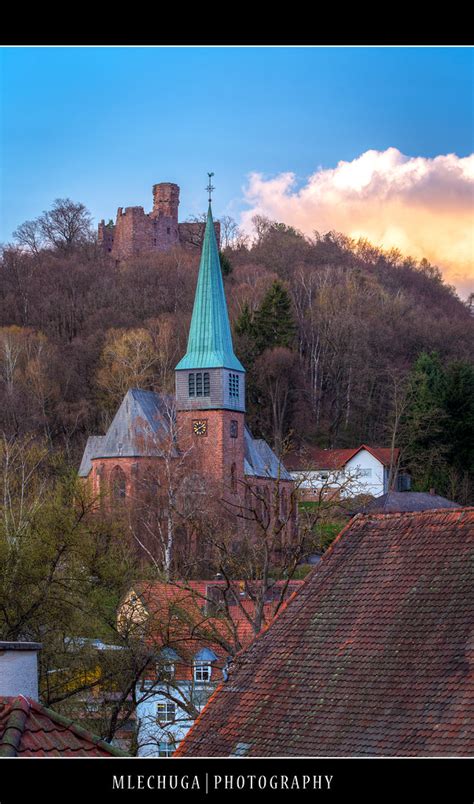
[[234, 386], [166, 712], [202, 672], [165, 672], [166, 749], [119, 483], [364, 472]]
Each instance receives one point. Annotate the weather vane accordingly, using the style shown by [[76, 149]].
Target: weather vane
[[209, 187]]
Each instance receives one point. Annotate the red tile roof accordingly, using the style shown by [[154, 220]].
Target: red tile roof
[[195, 625], [28, 729], [373, 655], [310, 457]]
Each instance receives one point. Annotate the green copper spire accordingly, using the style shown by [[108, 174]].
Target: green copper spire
[[210, 339]]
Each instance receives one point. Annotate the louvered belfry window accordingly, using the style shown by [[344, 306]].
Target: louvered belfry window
[[199, 384], [234, 386]]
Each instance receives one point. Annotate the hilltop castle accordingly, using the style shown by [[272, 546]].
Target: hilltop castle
[[139, 232], [203, 425]]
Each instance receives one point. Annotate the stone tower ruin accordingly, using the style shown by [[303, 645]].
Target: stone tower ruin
[[138, 232]]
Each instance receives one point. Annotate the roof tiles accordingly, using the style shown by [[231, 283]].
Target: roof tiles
[[310, 458], [373, 655], [28, 729]]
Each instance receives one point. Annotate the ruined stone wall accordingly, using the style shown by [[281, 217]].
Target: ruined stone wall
[[137, 232]]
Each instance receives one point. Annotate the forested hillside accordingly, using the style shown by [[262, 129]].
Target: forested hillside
[[343, 343]]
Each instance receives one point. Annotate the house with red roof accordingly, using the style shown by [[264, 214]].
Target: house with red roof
[[364, 470], [193, 629], [372, 656]]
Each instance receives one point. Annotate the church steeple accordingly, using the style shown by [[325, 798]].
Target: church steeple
[[210, 338], [210, 376], [210, 380]]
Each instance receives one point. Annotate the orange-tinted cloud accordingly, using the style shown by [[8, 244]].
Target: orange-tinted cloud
[[424, 207]]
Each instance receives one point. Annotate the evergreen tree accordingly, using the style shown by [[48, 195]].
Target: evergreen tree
[[244, 332], [437, 432], [226, 265], [274, 324], [459, 408], [264, 342], [423, 427]]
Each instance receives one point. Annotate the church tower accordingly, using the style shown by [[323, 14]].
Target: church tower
[[210, 380]]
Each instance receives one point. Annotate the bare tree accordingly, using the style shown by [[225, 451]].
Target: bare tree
[[30, 236], [66, 224]]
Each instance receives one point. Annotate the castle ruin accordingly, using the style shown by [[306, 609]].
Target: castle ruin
[[138, 232]]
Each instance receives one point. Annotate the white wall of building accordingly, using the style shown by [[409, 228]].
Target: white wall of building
[[362, 474], [151, 733], [19, 669], [368, 473]]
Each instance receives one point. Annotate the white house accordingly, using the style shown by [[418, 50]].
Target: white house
[[161, 722], [190, 630], [346, 472]]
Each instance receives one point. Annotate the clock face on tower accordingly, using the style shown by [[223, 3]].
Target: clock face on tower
[[200, 427]]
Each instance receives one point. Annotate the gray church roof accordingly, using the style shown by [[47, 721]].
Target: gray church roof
[[137, 430], [91, 451], [144, 418], [261, 461]]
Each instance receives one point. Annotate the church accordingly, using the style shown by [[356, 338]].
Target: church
[[197, 438]]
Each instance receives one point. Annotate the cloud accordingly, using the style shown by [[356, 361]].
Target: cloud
[[422, 206]]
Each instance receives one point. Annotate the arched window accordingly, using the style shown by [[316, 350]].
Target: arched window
[[233, 478], [266, 507], [118, 483], [283, 505]]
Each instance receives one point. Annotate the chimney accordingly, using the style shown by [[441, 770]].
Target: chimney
[[432, 492], [19, 669]]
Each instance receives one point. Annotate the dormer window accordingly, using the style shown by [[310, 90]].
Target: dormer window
[[202, 672], [202, 669], [199, 384]]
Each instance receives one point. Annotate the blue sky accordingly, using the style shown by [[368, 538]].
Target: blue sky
[[101, 125]]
